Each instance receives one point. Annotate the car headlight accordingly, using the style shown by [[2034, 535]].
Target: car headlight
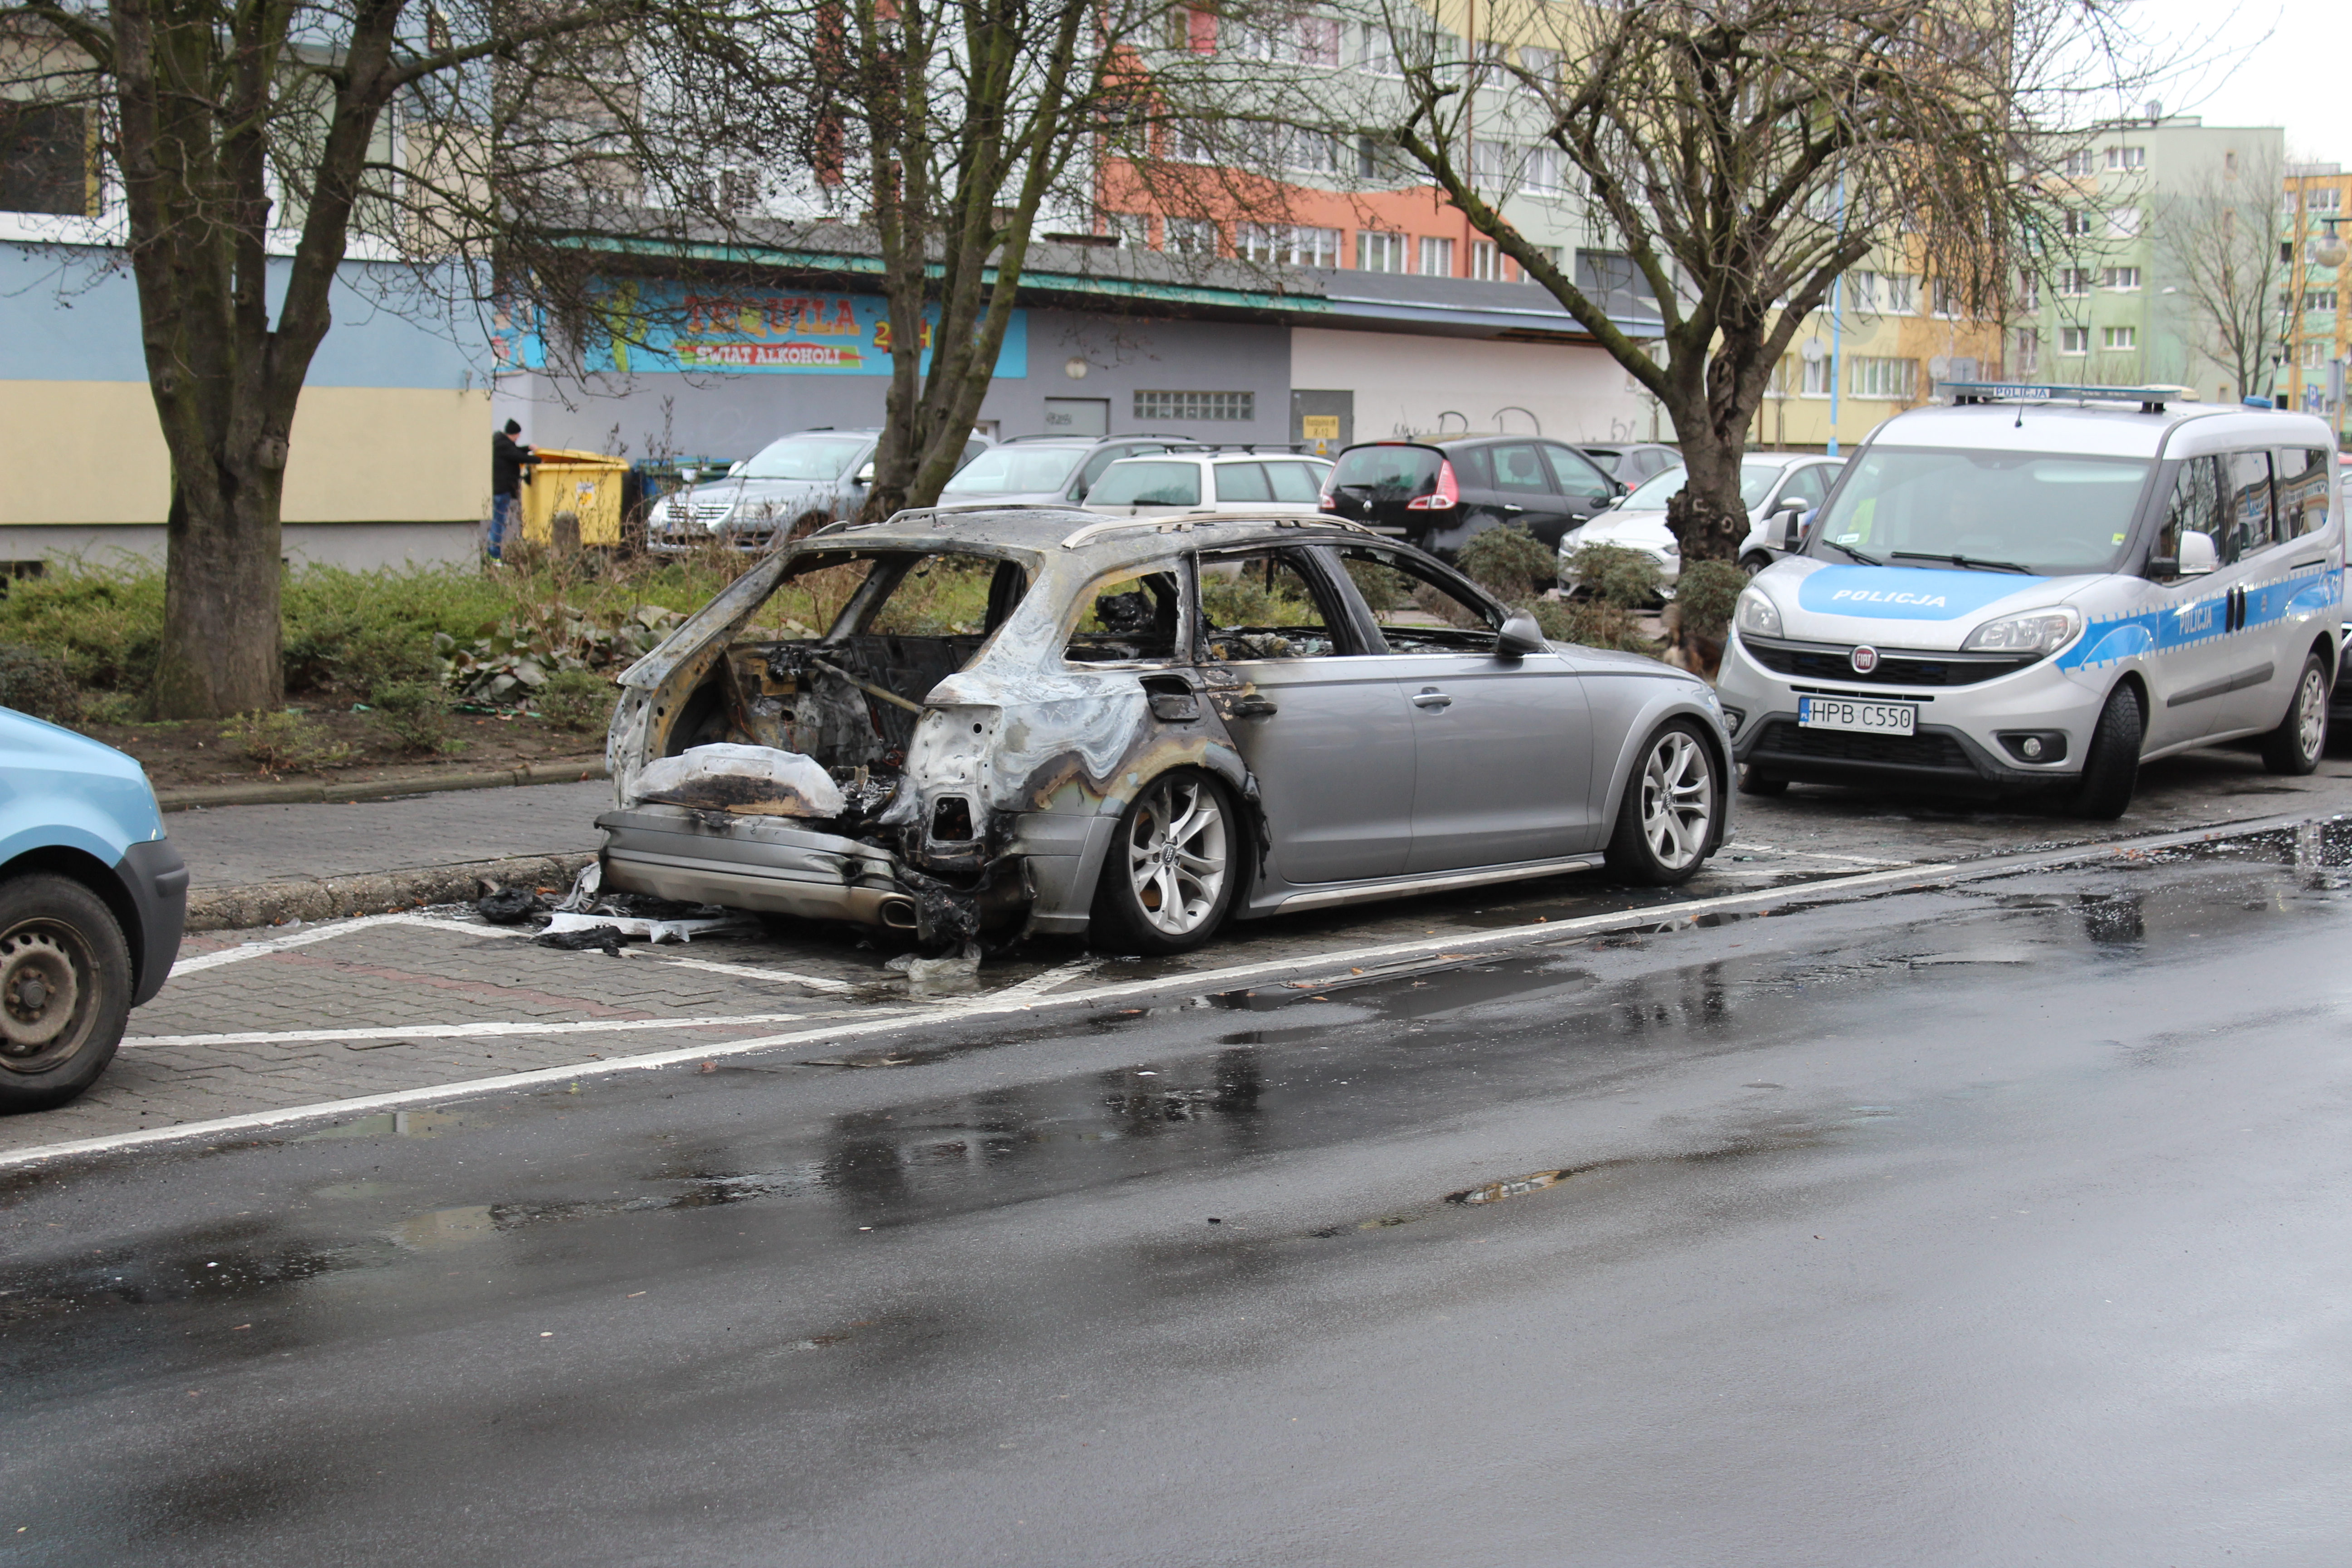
[[1572, 542], [2044, 631], [1671, 552], [1755, 614], [658, 516]]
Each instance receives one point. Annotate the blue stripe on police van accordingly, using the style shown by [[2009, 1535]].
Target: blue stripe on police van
[[1906, 592], [2110, 639]]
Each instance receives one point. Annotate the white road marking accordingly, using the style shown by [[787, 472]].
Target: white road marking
[[479, 1030], [997, 1002], [784, 976], [268, 945], [1199, 982]]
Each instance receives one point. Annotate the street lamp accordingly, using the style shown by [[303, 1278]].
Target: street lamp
[[2329, 249]]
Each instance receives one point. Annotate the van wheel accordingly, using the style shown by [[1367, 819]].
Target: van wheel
[[1666, 824], [2297, 744], [2111, 768], [65, 990], [1169, 877]]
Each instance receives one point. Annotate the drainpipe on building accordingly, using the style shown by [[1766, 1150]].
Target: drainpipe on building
[[1837, 323]]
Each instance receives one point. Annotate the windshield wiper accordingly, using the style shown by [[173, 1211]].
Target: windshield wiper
[[1964, 560], [1858, 555]]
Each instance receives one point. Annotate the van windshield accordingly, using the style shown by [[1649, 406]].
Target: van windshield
[[804, 457], [2051, 513]]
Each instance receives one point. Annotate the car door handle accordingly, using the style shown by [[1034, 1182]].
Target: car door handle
[[1508, 507], [1255, 707], [1432, 698]]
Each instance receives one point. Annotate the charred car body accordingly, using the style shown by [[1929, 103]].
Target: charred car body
[[1039, 719]]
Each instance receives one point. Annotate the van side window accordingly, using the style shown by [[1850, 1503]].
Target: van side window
[[2249, 529], [2195, 508], [2303, 474]]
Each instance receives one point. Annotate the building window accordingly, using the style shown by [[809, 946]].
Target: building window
[[2124, 279], [2122, 158], [1555, 254], [2325, 199], [2314, 353], [1544, 172], [1486, 261], [1539, 66], [1300, 245], [1436, 258], [1311, 153], [2074, 223], [1150, 406], [1316, 40], [2287, 203], [1377, 252], [1894, 380], [1943, 299], [2123, 223], [1193, 30], [2078, 164], [1191, 236], [45, 162], [2230, 165], [1378, 46], [1817, 377], [1131, 231], [1191, 143], [2320, 299], [1258, 241], [2029, 291], [2119, 339], [2025, 351], [1314, 247], [2073, 282], [2073, 340]]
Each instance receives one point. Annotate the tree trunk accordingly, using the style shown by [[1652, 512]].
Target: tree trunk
[[1705, 516], [221, 591]]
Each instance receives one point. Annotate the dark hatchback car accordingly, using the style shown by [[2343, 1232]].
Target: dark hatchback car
[[1439, 494]]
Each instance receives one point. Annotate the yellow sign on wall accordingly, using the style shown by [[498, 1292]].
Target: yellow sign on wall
[[1320, 426]]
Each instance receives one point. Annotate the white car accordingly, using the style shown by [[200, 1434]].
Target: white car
[[1278, 483], [2040, 587], [1771, 485]]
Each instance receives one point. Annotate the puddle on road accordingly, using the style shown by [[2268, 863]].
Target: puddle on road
[[398, 1124]]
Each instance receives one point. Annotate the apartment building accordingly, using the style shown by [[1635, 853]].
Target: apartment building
[[2315, 324], [2111, 305]]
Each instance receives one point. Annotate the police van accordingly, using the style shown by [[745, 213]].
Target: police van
[[2038, 588]]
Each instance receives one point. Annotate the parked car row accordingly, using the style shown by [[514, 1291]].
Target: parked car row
[[1774, 486]]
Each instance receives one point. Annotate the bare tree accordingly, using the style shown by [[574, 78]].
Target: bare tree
[[2219, 239], [1734, 157], [249, 150]]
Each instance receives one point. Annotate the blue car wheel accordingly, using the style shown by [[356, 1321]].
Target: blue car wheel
[[65, 990]]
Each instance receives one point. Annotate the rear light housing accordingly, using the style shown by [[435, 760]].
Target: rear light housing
[[1445, 498], [1324, 502]]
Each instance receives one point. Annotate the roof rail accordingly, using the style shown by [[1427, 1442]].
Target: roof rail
[[2151, 399], [1186, 522]]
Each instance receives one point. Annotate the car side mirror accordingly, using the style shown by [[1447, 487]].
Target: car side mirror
[[863, 476], [688, 476], [1519, 637], [2198, 557], [1792, 525]]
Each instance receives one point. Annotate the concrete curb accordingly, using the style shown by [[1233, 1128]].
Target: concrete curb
[[373, 892], [381, 789]]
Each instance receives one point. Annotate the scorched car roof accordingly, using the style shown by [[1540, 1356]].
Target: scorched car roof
[[1071, 531]]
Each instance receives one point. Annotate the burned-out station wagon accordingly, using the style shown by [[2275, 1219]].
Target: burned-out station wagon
[[1044, 721]]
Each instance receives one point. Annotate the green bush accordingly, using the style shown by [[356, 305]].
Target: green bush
[[1508, 562], [414, 715], [285, 742], [378, 658], [1706, 592], [1616, 575], [1590, 622], [577, 699], [38, 683], [1383, 588]]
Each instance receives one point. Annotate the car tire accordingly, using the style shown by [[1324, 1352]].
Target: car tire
[[2301, 738], [1755, 561], [1671, 811], [2111, 766], [1754, 781], [1170, 876], [65, 990]]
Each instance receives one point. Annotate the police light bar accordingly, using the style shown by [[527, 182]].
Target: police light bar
[[2151, 399]]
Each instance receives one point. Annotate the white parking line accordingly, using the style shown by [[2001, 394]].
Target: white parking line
[[482, 1029], [752, 971], [1012, 999]]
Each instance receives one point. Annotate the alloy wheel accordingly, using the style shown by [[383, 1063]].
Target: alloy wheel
[[1677, 800], [2311, 713], [1177, 854]]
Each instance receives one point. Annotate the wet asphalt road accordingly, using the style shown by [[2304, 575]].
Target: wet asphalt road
[[2004, 1224]]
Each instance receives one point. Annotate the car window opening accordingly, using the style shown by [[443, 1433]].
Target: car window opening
[[896, 625], [1260, 606], [1130, 617]]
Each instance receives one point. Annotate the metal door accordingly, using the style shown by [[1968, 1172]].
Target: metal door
[[2249, 655], [1324, 423], [1524, 490], [2189, 670], [1502, 759], [1329, 740]]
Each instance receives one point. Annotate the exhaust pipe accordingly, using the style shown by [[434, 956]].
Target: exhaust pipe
[[898, 913]]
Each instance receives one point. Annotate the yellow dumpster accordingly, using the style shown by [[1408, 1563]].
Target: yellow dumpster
[[573, 498]]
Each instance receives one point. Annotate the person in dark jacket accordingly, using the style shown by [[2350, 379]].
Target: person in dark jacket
[[509, 457]]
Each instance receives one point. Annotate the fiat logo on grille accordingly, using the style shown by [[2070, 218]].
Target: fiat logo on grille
[[1863, 659]]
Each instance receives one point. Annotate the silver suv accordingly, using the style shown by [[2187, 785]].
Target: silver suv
[[1046, 470]]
